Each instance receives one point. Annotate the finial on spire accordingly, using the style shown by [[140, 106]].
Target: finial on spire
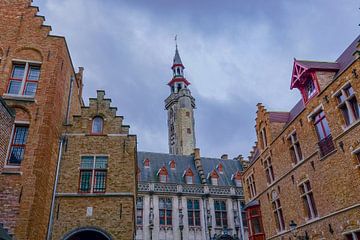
[[176, 41]]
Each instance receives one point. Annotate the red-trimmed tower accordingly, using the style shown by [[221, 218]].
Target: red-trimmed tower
[[180, 106]]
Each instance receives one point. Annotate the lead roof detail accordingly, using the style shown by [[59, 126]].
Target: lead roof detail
[[183, 163]]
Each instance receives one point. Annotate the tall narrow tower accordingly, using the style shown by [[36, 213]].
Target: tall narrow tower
[[180, 106]]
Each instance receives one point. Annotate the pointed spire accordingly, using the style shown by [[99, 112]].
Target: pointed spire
[[177, 59]]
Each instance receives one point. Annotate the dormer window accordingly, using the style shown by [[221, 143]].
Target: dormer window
[[189, 176], [172, 164], [163, 174], [214, 177], [97, 125], [237, 179], [220, 168], [146, 163]]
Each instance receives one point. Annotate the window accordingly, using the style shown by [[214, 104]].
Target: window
[[189, 179], [310, 88], [295, 149], [269, 171], [18, 143], [165, 211], [253, 216], [277, 210], [24, 79], [163, 178], [357, 155], [348, 104], [146, 163], [214, 181], [193, 209], [97, 125], [353, 236], [188, 130], [162, 174], [220, 213], [308, 200], [220, 168], [93, 172], [326, 144], [251, 185], [188, 114], [263, 137], [139, 210]]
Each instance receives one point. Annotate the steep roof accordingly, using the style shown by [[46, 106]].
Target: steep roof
[[184, 162], [177, 59]]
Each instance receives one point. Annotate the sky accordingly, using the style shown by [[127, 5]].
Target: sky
[[236, 54]]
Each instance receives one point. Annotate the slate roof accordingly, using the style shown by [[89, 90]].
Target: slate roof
[[319, 65], [177, 59], [183, 162]]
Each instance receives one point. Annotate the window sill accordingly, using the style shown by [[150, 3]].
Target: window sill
[[328, 155], [18, 97], [312, 220], [11, 170], [347, 129]]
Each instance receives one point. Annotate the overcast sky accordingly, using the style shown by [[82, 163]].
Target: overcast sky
[[236, 54]]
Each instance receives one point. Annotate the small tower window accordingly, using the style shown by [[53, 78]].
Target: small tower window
[[97, 125], [178, 87], [178, 71]]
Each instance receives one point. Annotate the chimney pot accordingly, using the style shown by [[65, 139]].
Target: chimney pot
[[224, 157]]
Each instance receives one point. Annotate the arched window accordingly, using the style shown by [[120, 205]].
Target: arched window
[[97, 125]]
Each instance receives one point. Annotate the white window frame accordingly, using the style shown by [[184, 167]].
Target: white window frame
[[346, 101], [264, 137], [293, 145], [93, 172], [187, 178], [214, 181], [251, 183], [269, 170], [23, 81], [308, 200]]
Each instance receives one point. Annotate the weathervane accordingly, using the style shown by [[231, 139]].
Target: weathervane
[[176, 41]]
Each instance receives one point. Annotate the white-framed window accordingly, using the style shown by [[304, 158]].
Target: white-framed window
[[24, 79], [93, 174], [238, 182], [214, 181], [295, 149], [310, 88], [269, 171], [97, 125], [263, 137], [251, 185], [348, 104], [163, 178], [308, 199], [189, 179], [353, 235], [277, 210]]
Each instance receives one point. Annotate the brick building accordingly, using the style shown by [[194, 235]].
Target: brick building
[[38, 81], [96, 187], [303, 180]]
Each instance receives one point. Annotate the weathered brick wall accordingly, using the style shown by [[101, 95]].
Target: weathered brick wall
[[335, 179], [23, 36], [7, 117], [113, 211]]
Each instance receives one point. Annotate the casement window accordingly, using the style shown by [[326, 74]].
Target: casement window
[[326, 144], [93, 173], [97, 125], [308, 200], [295, 149], [269, 171], [162, 174], [24, 79], [251, 185], [139, 211], [310, 88], [220, 213], [263, 137], [18, 144], [163, 178], [214, 181], [277, 210], [348, 104], [238, 182], [165, 211], [193, 208], [189, 179], [353, 236], [253, 216]]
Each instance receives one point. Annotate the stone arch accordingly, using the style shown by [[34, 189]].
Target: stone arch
[[29, 53], [21, 113], [82, 233]]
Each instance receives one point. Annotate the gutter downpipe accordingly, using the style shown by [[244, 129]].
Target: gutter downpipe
[[49, 231]]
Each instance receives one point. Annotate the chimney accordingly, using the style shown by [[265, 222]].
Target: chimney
[[224, 157], [198, 165]]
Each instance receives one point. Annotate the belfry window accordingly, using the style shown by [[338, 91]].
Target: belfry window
[[97, 125], [24, 79]]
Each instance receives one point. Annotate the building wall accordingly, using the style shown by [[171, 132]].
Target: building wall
[[7, 117], [192, 233], [112, 211], [25, 191], [335, 178]]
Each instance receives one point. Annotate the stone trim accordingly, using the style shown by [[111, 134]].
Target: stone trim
[[117, 194]]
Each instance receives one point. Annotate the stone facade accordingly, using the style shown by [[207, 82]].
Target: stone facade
[[26, 187], [111, 208], [316, 187], [202, 189]]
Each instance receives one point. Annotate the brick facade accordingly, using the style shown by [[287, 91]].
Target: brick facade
[[113, 209], [7, 117], [26, 189], [331, 169]]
